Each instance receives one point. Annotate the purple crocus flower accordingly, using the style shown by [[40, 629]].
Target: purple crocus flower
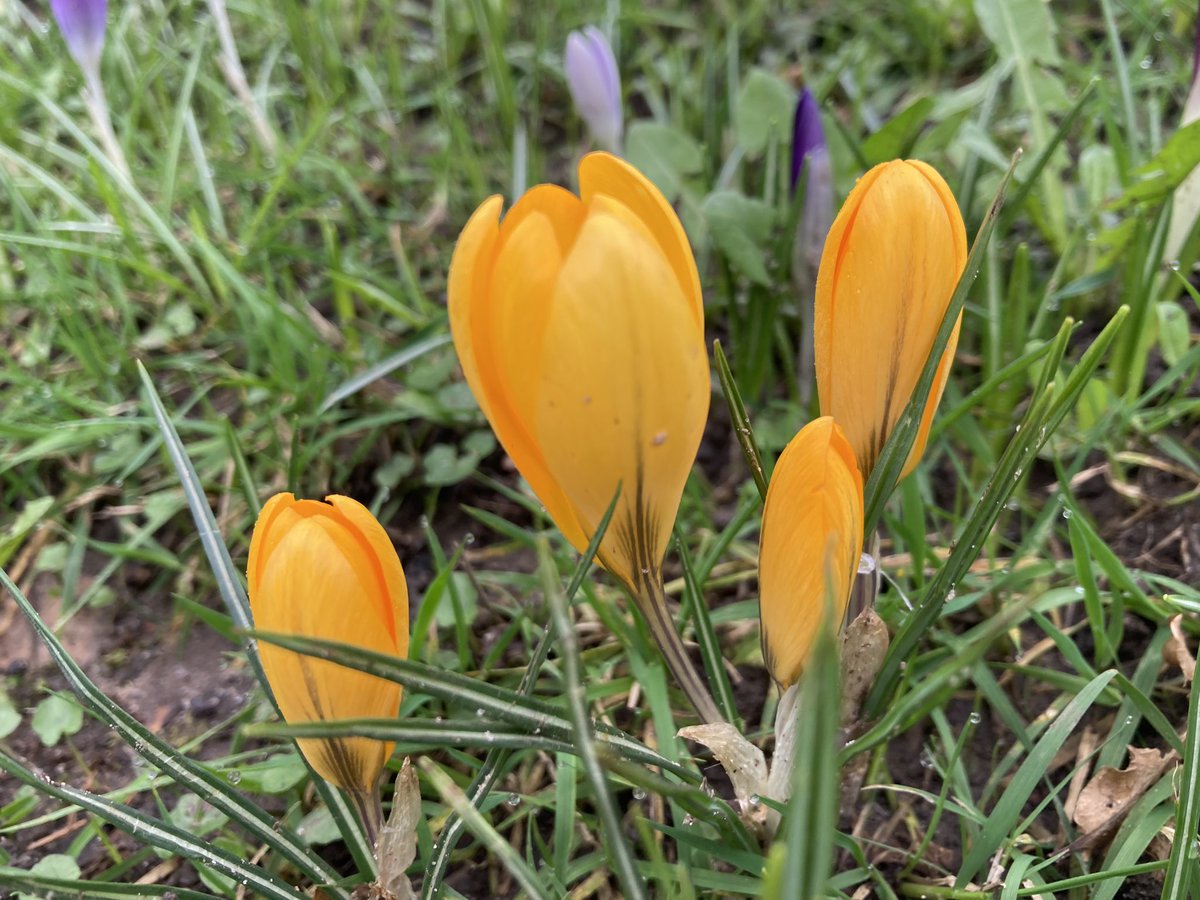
[[810, 158], [595, 85], [82, 25], [807, 134]]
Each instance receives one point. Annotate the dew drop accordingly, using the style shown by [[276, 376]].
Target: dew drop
[[659, 439], [975, 718], [866, 564], [234, 776], [514, 800], [639, 794]]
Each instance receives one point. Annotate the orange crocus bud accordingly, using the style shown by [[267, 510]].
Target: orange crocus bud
[[328, 570], [888, 271], [579, 325], [811, 542]]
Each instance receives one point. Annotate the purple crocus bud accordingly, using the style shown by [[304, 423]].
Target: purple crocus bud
[[595, 85], [82, 25], [807, 134]]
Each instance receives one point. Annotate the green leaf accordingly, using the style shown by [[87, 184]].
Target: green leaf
[[318, 827], [10, 718], [740, 227], [54, 717], [664, 154], [194, 816], [55, 865], [1167, 170], [764, 110], [468, 598], [1173, 331], [896, 138], [1019, 29], [29, 516]]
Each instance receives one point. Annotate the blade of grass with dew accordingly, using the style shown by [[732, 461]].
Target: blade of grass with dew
[[1184, 860], [502, 703], [1045, 413], [1005, 813], [420, 734], [619, 853], [806, 840], [741, 422], [155, 832], [92, 890], [501, 849], [198, 779], [710, 647], [236, 602]]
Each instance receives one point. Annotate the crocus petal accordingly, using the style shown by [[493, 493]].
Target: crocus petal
[[501, 279], [327, 570], [812, 535], [82, 25], [888, 270], [595, 84], [605, 174], [625, 391], [808, 136]]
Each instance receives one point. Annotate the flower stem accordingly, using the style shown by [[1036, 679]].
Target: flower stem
[[651, 600], [97, 107], [370, 813], [866, 583]]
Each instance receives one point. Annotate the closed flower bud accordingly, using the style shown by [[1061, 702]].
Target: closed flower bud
[[811, 541], [888, 271], [579, 325], [82, 25], [329, 571], [595, 85]]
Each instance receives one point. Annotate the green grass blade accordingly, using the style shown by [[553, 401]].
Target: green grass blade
[[741, 422], [234, 596], [810, 822], [1007, 810], [501, 703], [200, 780], [710, 646], [485, 778], [497, 846], [1045, 413], [620, 856], [429, 338], [1184, 860], [155, 832]]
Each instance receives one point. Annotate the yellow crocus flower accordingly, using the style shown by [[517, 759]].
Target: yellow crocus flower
[[579, 325], [328, 570], [888, 271], [811, 542]]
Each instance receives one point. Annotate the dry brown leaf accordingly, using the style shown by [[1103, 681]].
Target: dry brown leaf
[[397, 846], [1175, 651], [863, 647], [743, 762], [1111, 792]]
